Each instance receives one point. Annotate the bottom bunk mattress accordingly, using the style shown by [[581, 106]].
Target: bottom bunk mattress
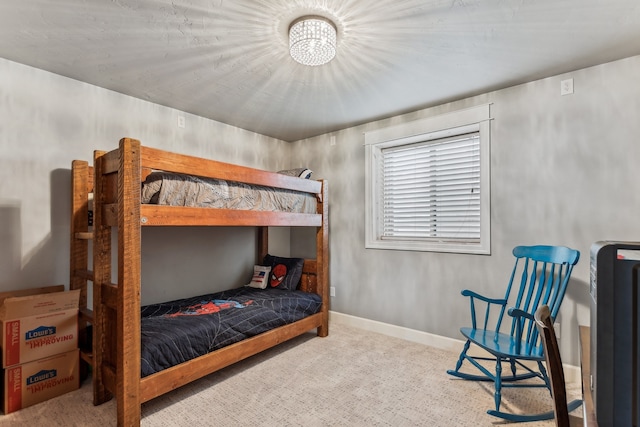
[[177, 331]]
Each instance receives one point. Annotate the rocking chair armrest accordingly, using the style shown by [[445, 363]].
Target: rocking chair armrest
[[521, 317], [516, 312], [468, 293], [487, 303]]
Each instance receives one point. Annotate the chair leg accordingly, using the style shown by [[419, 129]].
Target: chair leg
[[513, 367], [463, 353], [498, 383], [486, 374]]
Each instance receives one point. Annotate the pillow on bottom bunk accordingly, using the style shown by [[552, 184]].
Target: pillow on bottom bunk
[[260, 277], [285, 272]]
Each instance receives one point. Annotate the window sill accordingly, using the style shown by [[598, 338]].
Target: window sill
[[445, 247]]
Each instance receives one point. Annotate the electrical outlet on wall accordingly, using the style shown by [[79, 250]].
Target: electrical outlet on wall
[[566, 87], [332, 291]]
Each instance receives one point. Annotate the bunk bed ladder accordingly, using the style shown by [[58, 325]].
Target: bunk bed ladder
[[80, 275], [85, 234], [116, 330], [104, 371]]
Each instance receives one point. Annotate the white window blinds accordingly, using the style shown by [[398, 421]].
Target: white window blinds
[[431, 190]]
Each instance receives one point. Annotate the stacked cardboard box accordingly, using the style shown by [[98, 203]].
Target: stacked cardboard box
[[39, 345]]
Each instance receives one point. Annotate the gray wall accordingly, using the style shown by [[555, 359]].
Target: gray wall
[[564, 170], [49, 120]]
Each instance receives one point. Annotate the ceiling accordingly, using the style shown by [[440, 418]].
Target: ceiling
[[228, 60]]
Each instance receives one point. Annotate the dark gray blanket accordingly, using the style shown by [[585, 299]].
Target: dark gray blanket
[[177, 331]]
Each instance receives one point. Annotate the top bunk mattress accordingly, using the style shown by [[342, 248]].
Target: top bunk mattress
[[166, 188], [177, 331]]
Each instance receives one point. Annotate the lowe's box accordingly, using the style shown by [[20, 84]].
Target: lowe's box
[[37, 326], [40, 380]]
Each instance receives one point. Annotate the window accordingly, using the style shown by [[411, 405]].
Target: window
[[428, 184], [432, 189]]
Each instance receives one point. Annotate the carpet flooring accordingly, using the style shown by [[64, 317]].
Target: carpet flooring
[[350, 378]]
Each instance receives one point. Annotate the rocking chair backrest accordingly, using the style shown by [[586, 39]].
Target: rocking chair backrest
[[540, 277]]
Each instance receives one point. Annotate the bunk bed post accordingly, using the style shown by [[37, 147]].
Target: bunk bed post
[[129, 276], [263, 243], [322, 258], [101, 278], [79, 224], [79, 251]]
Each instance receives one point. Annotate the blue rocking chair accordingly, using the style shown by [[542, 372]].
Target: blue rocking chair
[[539, 277]]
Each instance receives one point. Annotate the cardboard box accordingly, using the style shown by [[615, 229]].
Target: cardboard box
[[37, 326], [34, 382]]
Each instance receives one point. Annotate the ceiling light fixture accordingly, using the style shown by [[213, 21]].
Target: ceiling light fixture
[[312, 40]]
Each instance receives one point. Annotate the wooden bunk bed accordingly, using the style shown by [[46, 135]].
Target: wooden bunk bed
[[115, 321]]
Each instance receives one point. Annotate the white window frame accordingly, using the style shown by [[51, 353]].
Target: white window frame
[[475, 119]]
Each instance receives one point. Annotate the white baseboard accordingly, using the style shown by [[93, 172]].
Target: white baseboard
[[571, 373], [425, 338]]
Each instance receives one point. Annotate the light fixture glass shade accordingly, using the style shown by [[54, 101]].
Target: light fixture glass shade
[[312, 40]]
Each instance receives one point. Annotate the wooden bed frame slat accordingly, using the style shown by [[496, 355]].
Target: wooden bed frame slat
[[83, 274], [115, 182], [156, 215], [180, 163], [179, 215]]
